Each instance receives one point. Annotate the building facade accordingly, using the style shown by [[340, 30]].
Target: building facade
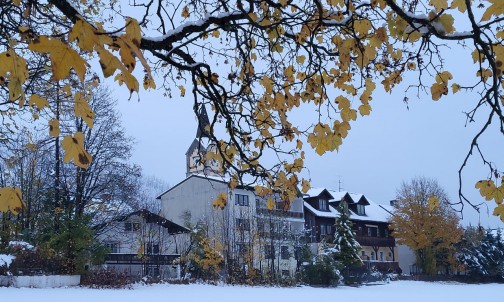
[[369, 223], [143, 243]]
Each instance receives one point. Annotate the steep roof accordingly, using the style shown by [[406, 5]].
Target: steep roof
[[150, 217], [203, 122], [374, 212], [202, 176]]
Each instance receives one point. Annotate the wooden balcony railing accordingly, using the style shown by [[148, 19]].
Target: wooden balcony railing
[[376, 241], [145, 259], [280, 213]]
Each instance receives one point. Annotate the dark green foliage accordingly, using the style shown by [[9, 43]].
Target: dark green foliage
[[323, 271], [482, 252], [346, 248]]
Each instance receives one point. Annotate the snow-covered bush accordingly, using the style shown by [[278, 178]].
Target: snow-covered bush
[[324, 270]]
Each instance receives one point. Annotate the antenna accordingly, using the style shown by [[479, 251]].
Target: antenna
[[340, 188]]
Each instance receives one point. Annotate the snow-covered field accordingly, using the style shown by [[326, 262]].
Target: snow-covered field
[[410, 291]]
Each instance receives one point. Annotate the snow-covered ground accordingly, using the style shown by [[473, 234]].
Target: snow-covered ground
[[410, 291]]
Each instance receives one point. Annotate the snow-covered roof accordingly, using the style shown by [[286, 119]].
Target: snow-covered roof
[[374, 212], [332, 213]]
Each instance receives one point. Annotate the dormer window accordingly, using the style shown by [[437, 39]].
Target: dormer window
[[361, 210], [323, 205]]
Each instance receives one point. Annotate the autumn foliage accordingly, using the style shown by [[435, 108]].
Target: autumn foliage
[[424, 221], [255, 62]]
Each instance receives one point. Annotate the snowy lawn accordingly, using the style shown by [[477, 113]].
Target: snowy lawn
[[410, 291]]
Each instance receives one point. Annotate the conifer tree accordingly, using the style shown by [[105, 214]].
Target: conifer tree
[[346, 247], [482, 252]]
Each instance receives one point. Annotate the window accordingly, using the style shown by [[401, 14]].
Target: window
[[363, 253], [322, 204], [373, 256], [153, 271], [370, 231], [361, 209], [243, 224], [269, 252], [329, 230], [381, 256], [113, 247], [378, 232], [284, 252], [241, 200], [196, 160], [152, 248], [131, 226], [242, 249], [386, 233], [322, 229]]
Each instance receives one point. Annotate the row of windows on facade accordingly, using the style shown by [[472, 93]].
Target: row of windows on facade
[[324, 206], [269, 251], [150, 248], [327, 229], [373, 256], [243, 224]]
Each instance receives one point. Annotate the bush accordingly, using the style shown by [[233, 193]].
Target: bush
[[323, 271], [106, 278], [37, 262]]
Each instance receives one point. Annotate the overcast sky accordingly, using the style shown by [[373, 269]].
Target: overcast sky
[[392, 145]]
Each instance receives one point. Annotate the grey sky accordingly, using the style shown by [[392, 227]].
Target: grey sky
[[390, 146]]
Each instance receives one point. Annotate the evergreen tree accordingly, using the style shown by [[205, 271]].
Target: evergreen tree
[[346, 247], [482, 253]]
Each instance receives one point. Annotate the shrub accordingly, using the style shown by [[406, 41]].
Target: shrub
[[323, 271], [106, 278]]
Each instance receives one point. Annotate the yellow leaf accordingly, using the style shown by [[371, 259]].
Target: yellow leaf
[[74, 150], [460, 4], [477, 56], [182, 90], [433, 203], [220, 201], [364, 109], [270, 204], [82, 109], [10, 200], [133, 31], [499, 211], [14, 68], [185, 12], [54, 129], [300, 59], [446, 21], [305, 184], [38, 101], [443, 77], [16, 2], [439, 4], [496, 9], [63, 58], [109, 63], [83, 32], [455, 87], [215, 33], [437, 90]]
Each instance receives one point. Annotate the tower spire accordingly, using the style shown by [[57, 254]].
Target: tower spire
[[203, 122]]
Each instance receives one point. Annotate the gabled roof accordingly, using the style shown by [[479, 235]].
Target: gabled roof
[[150, 217], [332, 213], [315, 192], [374, 212], [220, 179]]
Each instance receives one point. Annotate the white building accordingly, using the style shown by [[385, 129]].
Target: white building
[[143, 243]]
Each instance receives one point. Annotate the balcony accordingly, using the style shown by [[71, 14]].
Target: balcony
[[146, 259], [280, 213], [376, 241]]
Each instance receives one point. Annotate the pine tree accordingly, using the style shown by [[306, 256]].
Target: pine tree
[[346, 247], [483, 253]]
